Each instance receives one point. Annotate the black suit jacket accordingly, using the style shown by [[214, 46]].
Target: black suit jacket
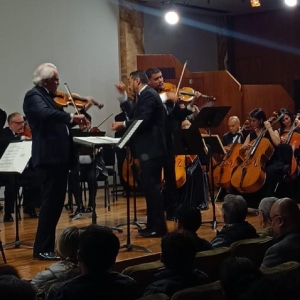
[[49, 124], [148, 141], [228, 137], [6, 136]]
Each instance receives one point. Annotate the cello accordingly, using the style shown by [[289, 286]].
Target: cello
[[222, 172], [249, 176]]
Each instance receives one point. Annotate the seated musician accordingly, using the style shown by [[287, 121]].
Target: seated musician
[[31, 191], [84, 172], [234, 126], [273, 167], [286, 124]]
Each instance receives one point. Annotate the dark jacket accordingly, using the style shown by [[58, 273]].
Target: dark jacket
[[148, 142], [231, 233], [171, 281], [51, 137], [6, 136], [228, 137]]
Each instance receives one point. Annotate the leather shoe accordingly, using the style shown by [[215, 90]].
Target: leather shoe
[[31, 213], [46, 256], [8, 218], [143, 230], [152, 234], [79, 209], [89, 209]]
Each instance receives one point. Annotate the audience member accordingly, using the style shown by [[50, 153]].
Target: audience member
[[285, 220], [13, 288], [66, 248], [236, 227], [188, 219], [98, 250], [178, 251], [264, 209], [9, 270], [236, 275]]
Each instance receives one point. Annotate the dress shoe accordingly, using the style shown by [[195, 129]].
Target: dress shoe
[[8, 218], [143, 230], [30, 212], [46, 256], [152, 234], [89, 209], [79, 209]]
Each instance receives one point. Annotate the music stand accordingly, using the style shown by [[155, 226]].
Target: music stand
[[124, 141], [13, 162], [210, 117], [95, 142]]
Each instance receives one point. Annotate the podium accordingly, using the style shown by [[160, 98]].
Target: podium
[[211, 117]]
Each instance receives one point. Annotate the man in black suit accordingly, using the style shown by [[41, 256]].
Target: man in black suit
[[52, 153], [148, 145], [234, 131], [15, 132]]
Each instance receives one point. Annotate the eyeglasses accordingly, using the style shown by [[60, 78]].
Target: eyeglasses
[[270, 220]]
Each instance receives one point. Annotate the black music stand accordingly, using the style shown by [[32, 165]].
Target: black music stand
[[124, 141], [17, 243], [210, 117]]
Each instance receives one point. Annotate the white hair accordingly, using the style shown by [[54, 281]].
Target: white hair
[[43, 71]]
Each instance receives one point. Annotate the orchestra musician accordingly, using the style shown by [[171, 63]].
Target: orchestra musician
[[174, 115], [147, 145], [273, 167], [52, 153], [31, 190], [234, 127]]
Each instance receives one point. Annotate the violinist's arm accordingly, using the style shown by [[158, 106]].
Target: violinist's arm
[[273, 133]]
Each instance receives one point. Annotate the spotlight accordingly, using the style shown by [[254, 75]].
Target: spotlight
[[171, 17], [255, 3], [290, 2]]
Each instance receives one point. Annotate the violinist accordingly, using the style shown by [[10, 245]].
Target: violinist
[[31, 192], [52, 149], [273, 167], [174, 115]]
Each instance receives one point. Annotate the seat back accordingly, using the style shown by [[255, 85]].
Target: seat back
[[290, 269], [210, 291], [210, 261], [109, 155], [254, 249]]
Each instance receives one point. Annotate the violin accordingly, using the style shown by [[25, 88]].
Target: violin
[[187, 94], [63, 100]]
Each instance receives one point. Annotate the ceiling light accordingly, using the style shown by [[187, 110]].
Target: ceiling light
[[291, 2], [171, 17], [255, 3]]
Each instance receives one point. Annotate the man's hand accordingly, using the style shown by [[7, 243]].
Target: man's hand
[[195, 110], [79, 119], [120, 87], [117, 126]]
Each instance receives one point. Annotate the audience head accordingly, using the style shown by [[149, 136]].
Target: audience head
[[16, 122], [12, 287], [98, 249], [9, 270], [234, 124], [187, 218], [234, 209], [257, 118], [264, 209], [178, 251], [67, 243], [46, 75], [285, 216], [236, 274]]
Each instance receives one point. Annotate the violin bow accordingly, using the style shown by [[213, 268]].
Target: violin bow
[[104, 120], [70, 97], [179, 83]]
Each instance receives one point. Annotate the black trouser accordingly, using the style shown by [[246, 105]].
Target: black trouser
[[54, 188]]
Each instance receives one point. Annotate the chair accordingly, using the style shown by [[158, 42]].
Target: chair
[[290, 269], [210, 291], [210, 261], [109, 157], [254, 249]]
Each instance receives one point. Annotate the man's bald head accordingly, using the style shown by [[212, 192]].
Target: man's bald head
[[285, 216], [234, 124]]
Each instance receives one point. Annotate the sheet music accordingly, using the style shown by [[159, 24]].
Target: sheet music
[[130, 131], [96, 140], [16, 157]]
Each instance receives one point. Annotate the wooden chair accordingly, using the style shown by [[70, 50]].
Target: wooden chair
[[210, 291], [253, 249], [290, 269], [210, 261]]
